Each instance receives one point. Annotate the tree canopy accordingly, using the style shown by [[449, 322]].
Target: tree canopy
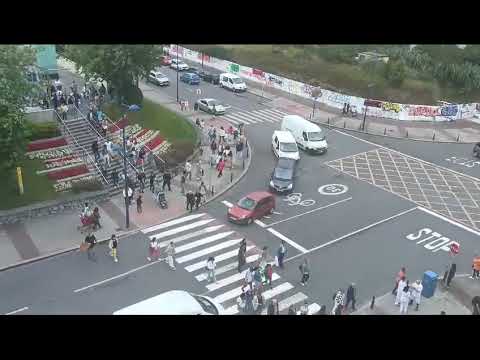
[[14, 89], [120, 65]]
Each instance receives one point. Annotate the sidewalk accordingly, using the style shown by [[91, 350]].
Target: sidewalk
[[46, 236], [455, 301]]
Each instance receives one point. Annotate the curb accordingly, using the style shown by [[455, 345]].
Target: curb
[[392, 137], [63, 251]]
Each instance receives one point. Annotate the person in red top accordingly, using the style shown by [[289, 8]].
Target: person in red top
[[476, 267], [269, 274], [401, 274]]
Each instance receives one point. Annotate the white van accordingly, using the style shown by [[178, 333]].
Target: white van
[[175, 302], [232, 82], [284, 145], [308, 135]]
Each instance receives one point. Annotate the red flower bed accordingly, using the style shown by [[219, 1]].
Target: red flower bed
[[46, 144], [66, 173], [152, 144], [65, 158], [141, 133], [120, 124]]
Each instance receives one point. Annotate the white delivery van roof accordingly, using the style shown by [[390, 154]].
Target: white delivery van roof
[[299, 121], [231, 76], [284, 136]]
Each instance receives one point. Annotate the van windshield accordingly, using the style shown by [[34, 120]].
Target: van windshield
[[316, 136], [206, 305], [288, 147], [237, 81]]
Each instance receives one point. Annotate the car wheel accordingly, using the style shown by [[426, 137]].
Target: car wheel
[[249, 221]]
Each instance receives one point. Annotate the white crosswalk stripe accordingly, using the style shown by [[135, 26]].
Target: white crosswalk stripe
[[197, 239], [270, 116]]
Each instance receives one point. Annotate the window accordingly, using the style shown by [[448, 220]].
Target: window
[[304, 134], [283, 174], [247, 203], [230, 81], [237, 81], [288, 147], [316, 136], [206, 305]]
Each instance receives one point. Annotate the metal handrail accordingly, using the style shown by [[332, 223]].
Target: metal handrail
[[104, 138], [79, 145]]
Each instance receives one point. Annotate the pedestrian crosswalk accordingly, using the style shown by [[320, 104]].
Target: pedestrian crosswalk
[[199, 236], [265, 116]]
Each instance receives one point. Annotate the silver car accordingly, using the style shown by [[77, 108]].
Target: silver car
[[210, 106], [158, 78]]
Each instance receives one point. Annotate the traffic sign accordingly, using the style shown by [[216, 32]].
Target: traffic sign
[[333, 189]]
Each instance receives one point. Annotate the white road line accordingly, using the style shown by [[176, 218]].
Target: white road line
[[237, 291], [277, 290], [235, 122], [226, 281], [226, 268], [287, 240], [218, 258], [268, 115], [310, 211], [259, 117], [211, 249], [248, 117], [258, 222], [286, 303], [183, 228], [17, 311], [273, 113], [203, 241], [171, 223], [227, 204], [117, 276], [236, 117], [354, 232], [278, 111], [189, 236], [449, 220]]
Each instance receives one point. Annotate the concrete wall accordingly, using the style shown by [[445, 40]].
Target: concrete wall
[[41, 116]]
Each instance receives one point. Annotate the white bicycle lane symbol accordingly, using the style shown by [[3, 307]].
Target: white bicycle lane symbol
[[294, 199]]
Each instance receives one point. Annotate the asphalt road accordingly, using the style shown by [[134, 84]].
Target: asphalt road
[[363, 235]]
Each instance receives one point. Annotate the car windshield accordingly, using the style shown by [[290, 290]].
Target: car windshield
[[213, 102], [288, 147], [237, 81], [283, 174], [206, 305], [316, 136], [246, 203], [160, 75]]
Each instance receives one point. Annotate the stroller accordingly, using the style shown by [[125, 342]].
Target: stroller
[[161, 199]]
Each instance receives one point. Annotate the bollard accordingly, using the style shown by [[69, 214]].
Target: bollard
[[344, 124], [458, 138], [212, 190], [385, 131], [372, 304], [231, 177], [407, 134], [243, 164], [328, 121], [433, 138]]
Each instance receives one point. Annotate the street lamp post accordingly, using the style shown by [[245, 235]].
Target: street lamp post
[[127, 214], [202, 60], [177, 74], [370, 86]]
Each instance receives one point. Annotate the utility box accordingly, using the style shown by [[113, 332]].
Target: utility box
[[429, 283]]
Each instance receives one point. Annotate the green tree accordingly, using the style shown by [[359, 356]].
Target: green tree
[[120, 65], [395, 72], [14, 90]]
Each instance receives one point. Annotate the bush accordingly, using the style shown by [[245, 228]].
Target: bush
[[178, 152], [86, 185], [219, 53], [395, 72], [37, 131], [133, 95]]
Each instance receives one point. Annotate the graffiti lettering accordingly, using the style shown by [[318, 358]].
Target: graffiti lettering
[[449, 110], [275, 80], [423, 111], [338, 98], [372, 103], [388, 106], [307, 89]]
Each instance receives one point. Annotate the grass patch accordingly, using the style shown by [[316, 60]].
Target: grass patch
[[172, 127], [36, 187]]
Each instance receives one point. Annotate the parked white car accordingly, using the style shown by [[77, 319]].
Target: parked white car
[[179, 65]]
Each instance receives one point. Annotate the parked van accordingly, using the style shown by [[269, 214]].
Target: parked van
[[232, 82], [284, 145], [308, 135]]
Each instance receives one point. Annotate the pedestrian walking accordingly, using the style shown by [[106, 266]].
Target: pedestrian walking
[[171, 255], [401, 273], [338, 302], [213, 147], [113, 245], [139, 204], [91, 240], [475, 267], [153, 250], [203, 189], [96, 219], [401, 284], [351, 296], [211, 269], [417, 289], [273, 308], [114, 177], [304, 308], [220, 167], [152, 182], [242, 253], [141, 177], [167, 177], [305, 271], [188, 170], [95, 150], [249, 277], [281, 253], [404, 299], [269, 274], [451, 274], [291, 310], [198, 199], [190, 200], [183, 179], [249, 309]]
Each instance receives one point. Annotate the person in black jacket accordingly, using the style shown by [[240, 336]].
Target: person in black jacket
[[351, 294], [190, 200], [91, 240], [198, 199], [152, 182], [167, 177]]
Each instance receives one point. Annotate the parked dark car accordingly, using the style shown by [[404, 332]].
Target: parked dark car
[[190, 78], [283, 176], [193, 70], [209, 77]]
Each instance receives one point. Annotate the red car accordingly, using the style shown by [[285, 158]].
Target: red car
[[251, 207], [166, 60]]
